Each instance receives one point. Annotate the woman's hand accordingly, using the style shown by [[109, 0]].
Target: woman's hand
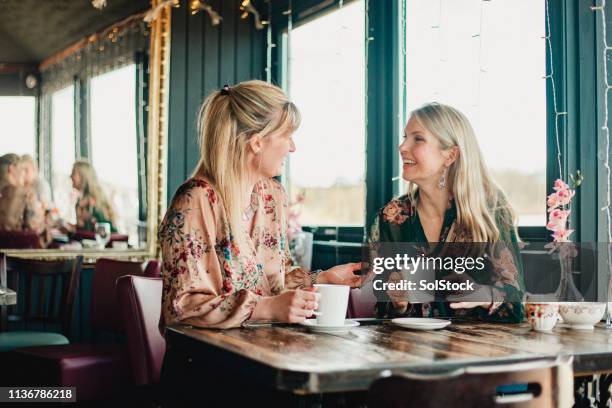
[[342, 275], [481, 295], [292, 306]]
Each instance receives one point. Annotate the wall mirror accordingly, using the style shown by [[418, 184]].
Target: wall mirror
[[82, 99]]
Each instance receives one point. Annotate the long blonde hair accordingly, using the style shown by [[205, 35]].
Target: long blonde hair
[[227, 120], [93, 189], [6, 161], [482, 205]]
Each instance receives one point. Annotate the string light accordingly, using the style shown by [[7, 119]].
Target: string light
[[480, 69], [606, 131], [247, 8], [197, 5], [98, 4], [154, 12], [550, 76], [269, 44]]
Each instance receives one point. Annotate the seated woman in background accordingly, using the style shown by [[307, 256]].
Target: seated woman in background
[[452, 199], [20, 209], [32, 179], [92, 205]]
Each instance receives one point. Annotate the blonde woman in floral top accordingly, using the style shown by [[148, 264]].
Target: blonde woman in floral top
[[224, 241], [452, 200]]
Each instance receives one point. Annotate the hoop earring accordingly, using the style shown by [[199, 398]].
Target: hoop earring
[[442, 181]]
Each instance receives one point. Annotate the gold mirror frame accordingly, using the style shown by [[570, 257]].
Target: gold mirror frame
[[159, 65]]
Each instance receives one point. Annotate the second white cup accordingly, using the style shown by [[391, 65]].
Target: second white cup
[[333, 302]]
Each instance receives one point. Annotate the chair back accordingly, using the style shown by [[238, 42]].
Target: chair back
[[48, 289], [20, 240], [153, 269], [539, 384], [140, 300], [105, 311]]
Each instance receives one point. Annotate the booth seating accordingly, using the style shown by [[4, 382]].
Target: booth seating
[[20, 240], [98, 369], [362, 302], [140, 302]]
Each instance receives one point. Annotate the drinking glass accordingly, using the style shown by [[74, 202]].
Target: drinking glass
[[103, 233]]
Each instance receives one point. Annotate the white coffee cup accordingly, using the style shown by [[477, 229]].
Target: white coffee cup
[[333, 302]]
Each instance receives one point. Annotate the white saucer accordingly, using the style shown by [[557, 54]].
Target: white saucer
[[420, 323], [313, 326]]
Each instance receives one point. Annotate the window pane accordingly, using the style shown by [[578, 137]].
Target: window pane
[[18, 125], [488, 60], [113, 139], [327, 83], [63, 151]]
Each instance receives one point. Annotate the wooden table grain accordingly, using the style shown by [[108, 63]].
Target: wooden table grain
[[290, 358]]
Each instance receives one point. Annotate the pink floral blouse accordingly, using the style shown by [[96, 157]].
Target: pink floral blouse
[[208, 280]]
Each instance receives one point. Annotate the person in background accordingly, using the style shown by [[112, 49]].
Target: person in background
[[20, 209], [452, 202], [33, 180], [92, 205]]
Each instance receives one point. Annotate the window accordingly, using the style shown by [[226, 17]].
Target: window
[[63, 151], [113, 142], [327, 61], [488, 59], [18, 125]]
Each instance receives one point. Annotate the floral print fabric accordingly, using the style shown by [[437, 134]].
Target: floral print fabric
[[211, 281], [398, 221]]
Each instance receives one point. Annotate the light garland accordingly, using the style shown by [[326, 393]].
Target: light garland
[[550, 76], [197, 5], [247, 8], [480, 69], [269, 46], [154, 12], [98, 4], [606, 131]]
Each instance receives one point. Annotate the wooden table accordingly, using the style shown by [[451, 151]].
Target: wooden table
[[290, 358], [7, 297]]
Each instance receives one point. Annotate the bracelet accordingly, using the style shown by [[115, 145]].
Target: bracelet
[[313, 276]]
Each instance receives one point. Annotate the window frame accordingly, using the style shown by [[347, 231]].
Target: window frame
[[573, 55], [303, 12], [82, 125]]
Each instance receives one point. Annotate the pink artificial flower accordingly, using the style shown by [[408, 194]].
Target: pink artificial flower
[[557, 220], [565, 196], [560, 185], [552, 201]]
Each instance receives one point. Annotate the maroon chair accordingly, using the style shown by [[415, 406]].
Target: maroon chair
[[20, 240], [96, 369], [153, 269], [140, 300], [362, 302]]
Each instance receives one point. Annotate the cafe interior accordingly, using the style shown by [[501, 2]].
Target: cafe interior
[[99, 103]]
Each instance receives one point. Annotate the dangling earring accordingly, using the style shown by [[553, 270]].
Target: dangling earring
[[442, 181]]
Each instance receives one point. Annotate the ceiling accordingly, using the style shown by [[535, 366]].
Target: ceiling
[[32, 30]]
